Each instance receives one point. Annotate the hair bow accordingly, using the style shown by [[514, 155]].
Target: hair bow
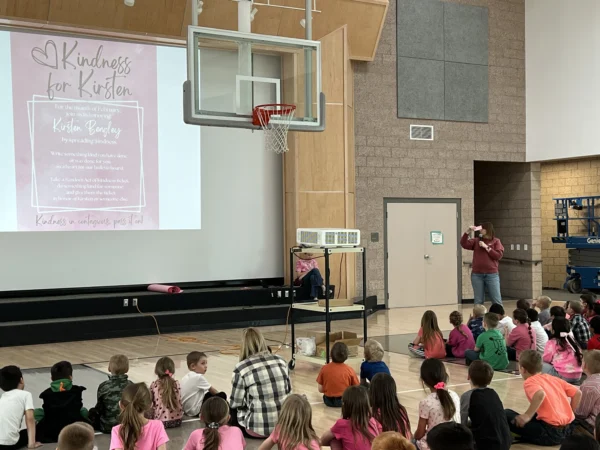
[[563, 334], [168, 372], [213, 425], [440, 385]]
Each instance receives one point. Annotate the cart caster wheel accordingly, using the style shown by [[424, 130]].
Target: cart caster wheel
[[292, 364], [574, 286]]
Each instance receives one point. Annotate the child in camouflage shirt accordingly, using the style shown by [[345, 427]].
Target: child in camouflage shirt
[[106, 413]]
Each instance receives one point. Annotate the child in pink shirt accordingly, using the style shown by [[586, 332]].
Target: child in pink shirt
[[522, 337], [294, 425], [460, 339], [135, 401], [562, 355], [215, 415]]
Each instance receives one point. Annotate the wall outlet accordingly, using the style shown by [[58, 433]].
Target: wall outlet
[[518, 246], [278, 294], [512, 246], [125, 302], [134, 302], [287, 294], [525, 247]]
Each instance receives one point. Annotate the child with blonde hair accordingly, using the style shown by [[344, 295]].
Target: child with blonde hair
[[373, 363], [441, 405], [460, 339], [77, 436], [543, 303], [294, 430], [390, 440], [475, 322], [216, 433], [357, 428], [429, 342], [166, 394], [135, 431]]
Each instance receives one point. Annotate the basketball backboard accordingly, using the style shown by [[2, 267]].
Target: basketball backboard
[[231, 72]]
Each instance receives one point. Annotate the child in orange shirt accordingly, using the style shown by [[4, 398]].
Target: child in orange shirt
[[336, 376], [429, 342], [553, 401]]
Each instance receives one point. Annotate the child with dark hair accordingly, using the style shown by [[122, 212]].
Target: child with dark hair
[[483, 409], [588, 301], [62, 403], [450, 436], [336, 376], [505, 323], [216, 433], [387, 409], [195, 388], [552, 402], [77, 436], [541, 338], [166, 394], [524, 304], [562, 355], [15, 404], [460, 339], [490, 346], [579, 326], [594, 342], [555, 311], [442, 405], [522, 337], [429, 342]]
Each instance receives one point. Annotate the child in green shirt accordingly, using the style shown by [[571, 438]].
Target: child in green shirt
[[490, 345]]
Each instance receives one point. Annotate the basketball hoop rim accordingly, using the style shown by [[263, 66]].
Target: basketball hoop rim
[[270, 109]]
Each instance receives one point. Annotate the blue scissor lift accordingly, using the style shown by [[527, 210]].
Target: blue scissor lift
[[578, 226]]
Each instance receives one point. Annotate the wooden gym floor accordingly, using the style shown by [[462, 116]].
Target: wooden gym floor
[[144, 352]]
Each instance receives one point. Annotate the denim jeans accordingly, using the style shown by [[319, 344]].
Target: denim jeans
[[536, 431], [486, 282], [315, 280], [332, 402], [470, 356]]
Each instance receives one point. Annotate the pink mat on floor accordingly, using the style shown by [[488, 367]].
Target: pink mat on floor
[[164, 288]]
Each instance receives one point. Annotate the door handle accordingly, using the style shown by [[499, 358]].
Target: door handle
[[426, 256]]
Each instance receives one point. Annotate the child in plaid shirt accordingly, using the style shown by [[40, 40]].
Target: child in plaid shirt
[[579, 326]]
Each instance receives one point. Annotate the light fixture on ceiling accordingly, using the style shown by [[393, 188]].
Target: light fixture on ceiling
[[129, 2], [252, 14]]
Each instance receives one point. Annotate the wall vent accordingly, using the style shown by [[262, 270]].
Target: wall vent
[[421, 132]]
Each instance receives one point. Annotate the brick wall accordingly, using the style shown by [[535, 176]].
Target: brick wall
[[562, 179], [388, 164], [508, 196]]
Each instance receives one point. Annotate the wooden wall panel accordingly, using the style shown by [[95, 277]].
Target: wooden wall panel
[[322, 169], [350, 161], [332, 72]]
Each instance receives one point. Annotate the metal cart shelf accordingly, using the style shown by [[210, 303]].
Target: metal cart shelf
[[327, 309]]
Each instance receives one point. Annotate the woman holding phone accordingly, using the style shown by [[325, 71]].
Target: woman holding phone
[[487, 252]]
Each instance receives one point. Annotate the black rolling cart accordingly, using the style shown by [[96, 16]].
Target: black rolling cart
[[324, 308]]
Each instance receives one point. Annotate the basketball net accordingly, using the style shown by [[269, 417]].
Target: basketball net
[[275, 121]]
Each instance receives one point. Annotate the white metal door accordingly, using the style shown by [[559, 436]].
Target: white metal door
[[422, 249]]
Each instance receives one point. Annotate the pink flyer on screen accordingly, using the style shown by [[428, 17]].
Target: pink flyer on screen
[[86, 139]]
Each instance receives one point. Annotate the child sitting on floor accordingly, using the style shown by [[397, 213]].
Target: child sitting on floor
[[294, 430], [442, 405], [77, 436], [522, 337], [475, 322], [524, 304], [194, 387], [505, 323], [594, 342], [552, 402], [15, 404], [387, 409], [106, 413], [541, 338], [485, 410], [166, 394], [62, 404], [579, 326], [589, 409], [460, 339], [390, 440], [588, 301], [429, 342], [357, 428], [336, 376], [543, 303], [373, 363], [450, 436], [216, 433], [555, 311], [562, 356], [490, 346]]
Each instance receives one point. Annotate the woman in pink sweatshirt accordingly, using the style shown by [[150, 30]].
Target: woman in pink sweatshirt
[[487, 252]]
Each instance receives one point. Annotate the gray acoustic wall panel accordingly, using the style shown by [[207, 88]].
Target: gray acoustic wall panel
[[466, 92], [465, 34], [420, 88], [420, 29]]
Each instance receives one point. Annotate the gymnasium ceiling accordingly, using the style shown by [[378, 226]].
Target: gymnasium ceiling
[[170, 18]]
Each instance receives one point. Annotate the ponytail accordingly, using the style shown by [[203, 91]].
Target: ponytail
[[214, 413], [448, 406], [576, 349], [165, 369], [522, 317], [561, 329], [136, 400], [212, 438]]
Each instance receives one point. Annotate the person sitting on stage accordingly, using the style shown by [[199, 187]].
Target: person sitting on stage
[[308, 275]]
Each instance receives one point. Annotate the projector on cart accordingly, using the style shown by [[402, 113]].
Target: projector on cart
[[327, 237]]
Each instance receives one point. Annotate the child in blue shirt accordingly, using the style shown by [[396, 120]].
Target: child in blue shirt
[[475, 323], [373, 361]]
